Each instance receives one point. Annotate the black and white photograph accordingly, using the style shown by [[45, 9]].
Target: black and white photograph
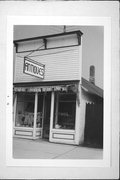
[[58, 92], [59, 77]]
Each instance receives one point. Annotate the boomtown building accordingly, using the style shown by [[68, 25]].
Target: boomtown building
[[50, 94]]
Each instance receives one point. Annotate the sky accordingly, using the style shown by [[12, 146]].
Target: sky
[[92, 44]]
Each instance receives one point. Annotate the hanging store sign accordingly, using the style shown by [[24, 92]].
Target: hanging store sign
[[33, 68]]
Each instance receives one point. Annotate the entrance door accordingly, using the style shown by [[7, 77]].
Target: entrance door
[[94, 125], [46, 121]]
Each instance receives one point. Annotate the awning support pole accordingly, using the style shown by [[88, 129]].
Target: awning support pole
[[51, 114]]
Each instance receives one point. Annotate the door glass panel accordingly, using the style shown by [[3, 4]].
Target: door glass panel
[[40, 111], [46, 124]]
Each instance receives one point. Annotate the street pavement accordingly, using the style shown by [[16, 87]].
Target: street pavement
[[42, 149]]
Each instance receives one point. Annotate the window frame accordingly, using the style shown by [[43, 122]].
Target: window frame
[[56, 104]]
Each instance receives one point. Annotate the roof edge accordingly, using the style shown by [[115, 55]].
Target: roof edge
[[93, 89], [48, 36]]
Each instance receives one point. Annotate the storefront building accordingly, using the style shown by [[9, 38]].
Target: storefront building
[[49, 97]]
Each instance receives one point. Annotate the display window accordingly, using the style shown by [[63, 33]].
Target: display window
[[64, 112], [25, 110]]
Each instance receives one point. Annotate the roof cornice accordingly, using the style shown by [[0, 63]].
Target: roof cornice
[[79, 33]]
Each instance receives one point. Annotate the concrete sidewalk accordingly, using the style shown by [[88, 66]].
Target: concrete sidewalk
[[41, 149]]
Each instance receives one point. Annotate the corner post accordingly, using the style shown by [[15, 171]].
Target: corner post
[[35, 115], [79, 128]]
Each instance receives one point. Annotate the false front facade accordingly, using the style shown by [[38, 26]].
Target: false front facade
[[49, 93]]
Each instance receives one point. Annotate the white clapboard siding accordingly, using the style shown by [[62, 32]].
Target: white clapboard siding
[[60, 64]]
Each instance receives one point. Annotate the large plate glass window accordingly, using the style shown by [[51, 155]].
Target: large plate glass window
[[25, 110], [64, 112]]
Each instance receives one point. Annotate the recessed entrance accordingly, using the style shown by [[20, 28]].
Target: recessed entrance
[[46, 116]]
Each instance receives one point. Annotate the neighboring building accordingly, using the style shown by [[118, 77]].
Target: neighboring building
[[50, 95]]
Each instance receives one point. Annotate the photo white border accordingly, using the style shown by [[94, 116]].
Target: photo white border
[[60, 20]]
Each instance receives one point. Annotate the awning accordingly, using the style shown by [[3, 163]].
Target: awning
[[91, 88], [40, 89], [71, 87]]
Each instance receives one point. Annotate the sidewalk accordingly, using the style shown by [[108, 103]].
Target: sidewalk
[[41, 149]]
